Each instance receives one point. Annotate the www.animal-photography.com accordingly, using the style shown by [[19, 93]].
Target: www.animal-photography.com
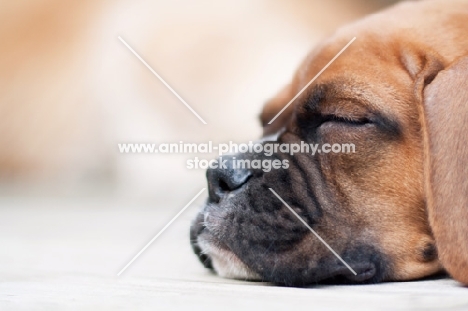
[[234, 155]]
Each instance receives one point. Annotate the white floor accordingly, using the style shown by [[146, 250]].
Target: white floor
[[59, 254]]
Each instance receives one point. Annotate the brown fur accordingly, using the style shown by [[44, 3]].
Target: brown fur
[[446, 114], [405, 63]]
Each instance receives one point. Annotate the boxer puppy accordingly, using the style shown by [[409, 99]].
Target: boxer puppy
[[397, 208]]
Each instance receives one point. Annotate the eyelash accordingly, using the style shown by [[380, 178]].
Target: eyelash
[[337, 119]]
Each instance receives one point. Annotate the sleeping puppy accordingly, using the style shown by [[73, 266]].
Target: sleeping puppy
[[396, 208]]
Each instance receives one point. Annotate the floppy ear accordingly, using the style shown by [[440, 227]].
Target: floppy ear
[[445, 109]]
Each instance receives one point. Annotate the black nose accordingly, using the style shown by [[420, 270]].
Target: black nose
[[226, 178]]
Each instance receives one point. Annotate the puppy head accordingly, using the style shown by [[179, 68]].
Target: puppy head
[[369, 206]]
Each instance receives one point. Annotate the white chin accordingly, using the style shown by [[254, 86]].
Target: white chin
[[227, 264]]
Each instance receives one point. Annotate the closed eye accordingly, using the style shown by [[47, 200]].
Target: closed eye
[[345, 120]]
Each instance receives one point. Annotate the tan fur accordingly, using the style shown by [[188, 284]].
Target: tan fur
[[446, 113], [390, 68]]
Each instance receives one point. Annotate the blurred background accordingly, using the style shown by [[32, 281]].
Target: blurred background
[[70, 90], [73, 210]]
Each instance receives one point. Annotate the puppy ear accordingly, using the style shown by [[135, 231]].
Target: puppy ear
[[445, 110]]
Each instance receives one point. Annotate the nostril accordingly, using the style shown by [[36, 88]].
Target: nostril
[[223, 186], [224, 180], [229, 181]]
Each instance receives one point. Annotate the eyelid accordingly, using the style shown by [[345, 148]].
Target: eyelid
[[346, 119]]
